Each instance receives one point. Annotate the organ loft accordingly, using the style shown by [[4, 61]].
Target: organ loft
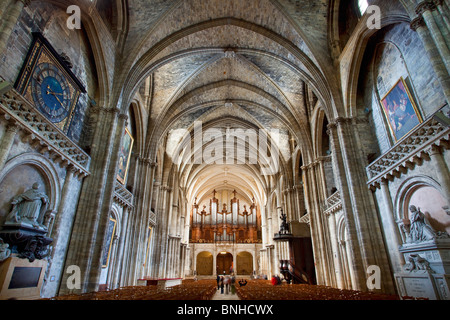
[[232, 225]]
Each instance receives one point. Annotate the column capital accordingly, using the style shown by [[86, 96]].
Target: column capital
[[417, 23], [434, 149], [123, 116], [12, 127], [425, 6], [339, 121]]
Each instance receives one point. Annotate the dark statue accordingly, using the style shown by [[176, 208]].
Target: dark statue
[[26, 226], [284, 227]]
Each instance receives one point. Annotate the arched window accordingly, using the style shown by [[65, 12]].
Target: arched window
[[362, 6]]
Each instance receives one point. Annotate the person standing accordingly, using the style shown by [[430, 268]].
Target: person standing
[[226, 281], [233, 284], [221, 285], [218, 282]]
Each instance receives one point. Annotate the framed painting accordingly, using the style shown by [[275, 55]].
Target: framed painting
[[124, 156], [400, 110], [109, 240]]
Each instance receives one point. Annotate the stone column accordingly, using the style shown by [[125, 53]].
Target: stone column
[[120, 256], [316, 224], [112, 263], [335, 245], [364, 229], [388, 218], [341, 181], [90, 225], [298, 191], [163, 233], [143, 207], [442, 170], [426, 10], [11, 13], [7, 142], [419, 25]]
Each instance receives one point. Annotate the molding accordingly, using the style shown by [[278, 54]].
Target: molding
[[427, 139], [41, 133]]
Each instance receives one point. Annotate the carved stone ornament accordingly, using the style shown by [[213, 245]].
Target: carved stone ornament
[[416, 263]]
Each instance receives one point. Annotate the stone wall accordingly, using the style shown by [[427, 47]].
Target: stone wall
[[27, 162], [51, 22], [395, 52]]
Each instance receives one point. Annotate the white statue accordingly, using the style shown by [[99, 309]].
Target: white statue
[[420, 230], [28, 207]]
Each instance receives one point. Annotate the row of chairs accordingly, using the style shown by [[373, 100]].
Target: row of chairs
[[264, 290], [188, 290]]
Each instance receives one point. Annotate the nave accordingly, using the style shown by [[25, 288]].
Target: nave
[[207, 289], [180, 139]]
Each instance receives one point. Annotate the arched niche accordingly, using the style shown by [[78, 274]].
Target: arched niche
[[19, 175], [244, 263], [204, 264], [425, 194], [431, 202]]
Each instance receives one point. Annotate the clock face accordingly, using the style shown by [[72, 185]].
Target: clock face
[[51, 92]]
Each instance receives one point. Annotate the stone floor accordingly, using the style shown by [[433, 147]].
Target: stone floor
[[224, 296]]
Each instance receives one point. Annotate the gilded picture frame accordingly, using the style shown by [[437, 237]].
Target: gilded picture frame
[[124, 156], [400, 110]]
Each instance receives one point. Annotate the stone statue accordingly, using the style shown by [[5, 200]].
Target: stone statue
[[5, 252], [28, 207], [417, 263], [420, 230]]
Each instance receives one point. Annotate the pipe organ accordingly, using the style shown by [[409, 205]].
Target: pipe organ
[[225, 224]]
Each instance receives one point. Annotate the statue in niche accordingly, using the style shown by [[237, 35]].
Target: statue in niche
[[5, 252], [29, 207], [420, 230]]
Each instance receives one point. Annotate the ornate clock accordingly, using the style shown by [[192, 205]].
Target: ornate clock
[[47, 82]]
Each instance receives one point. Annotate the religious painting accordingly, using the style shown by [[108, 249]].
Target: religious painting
[[109, 240], [400, 110], [124, 156]]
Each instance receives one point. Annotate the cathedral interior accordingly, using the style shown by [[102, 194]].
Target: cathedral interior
[[171, 140]]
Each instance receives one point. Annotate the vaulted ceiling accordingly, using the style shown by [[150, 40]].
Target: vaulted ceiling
[[260, 64]]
